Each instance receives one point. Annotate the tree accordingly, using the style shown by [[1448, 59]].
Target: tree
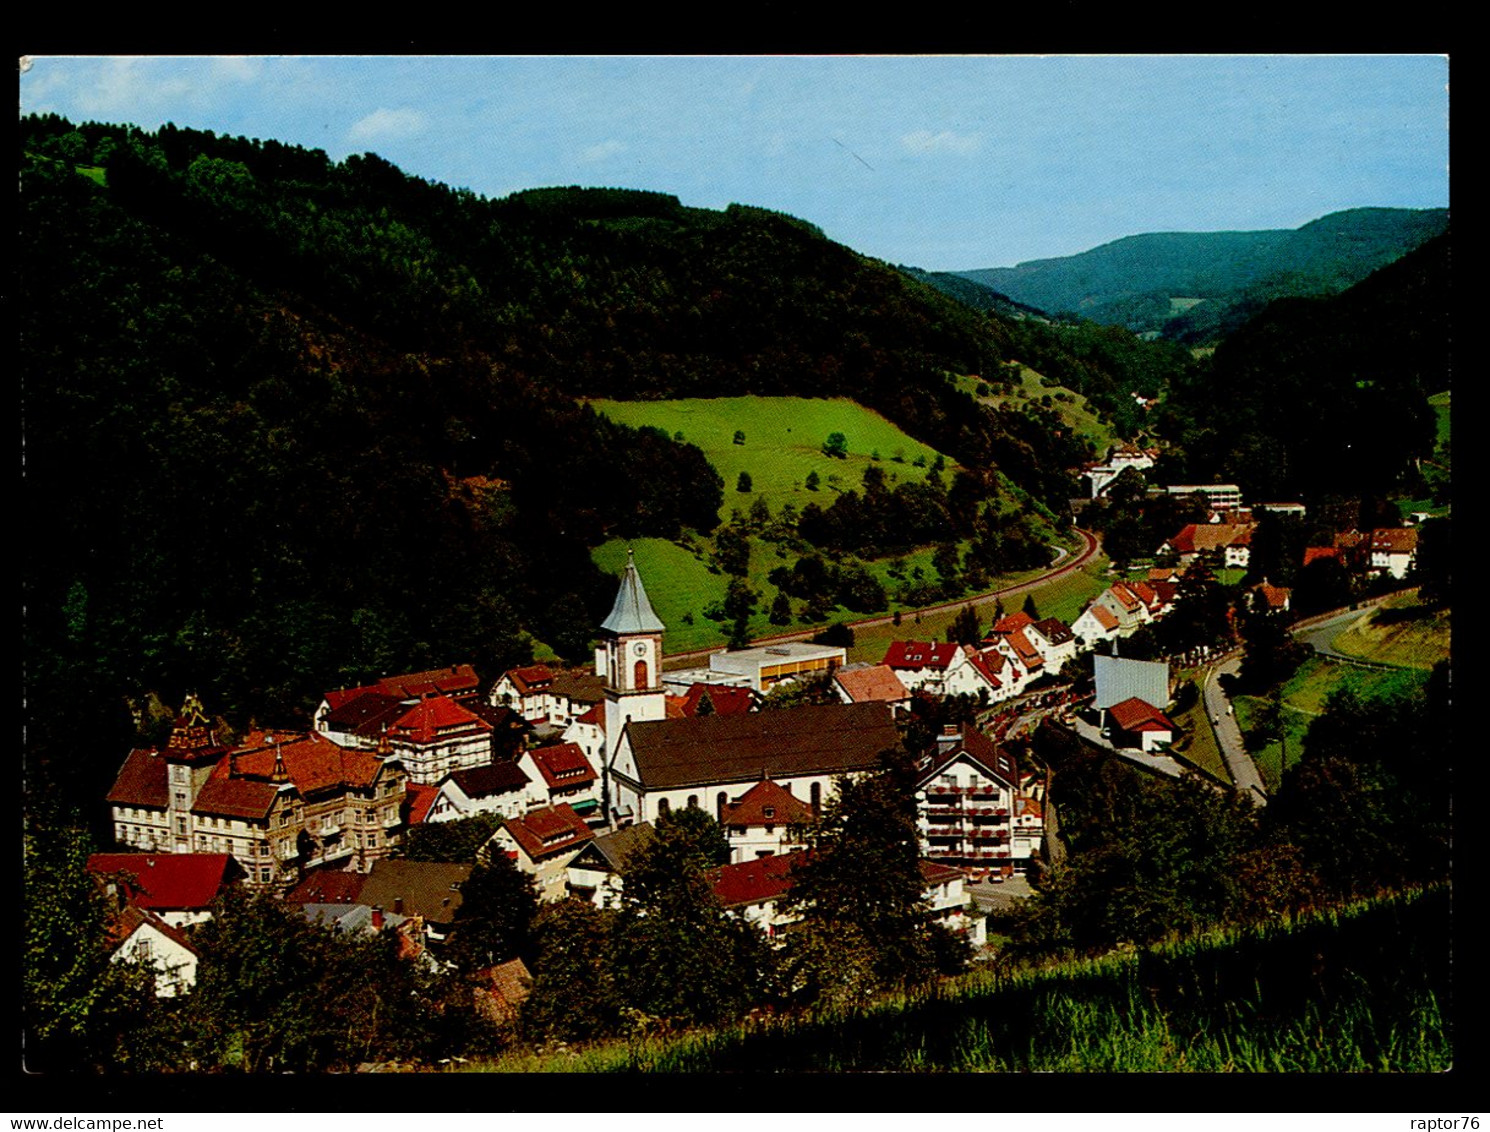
[[739, 436], [575, 993], [1030, 608], [781, 610], [79, 1010], [495, 919], [862, 883], [812, 481], [744, 482], [965, 629], [836, 446], [457, 842], [677, 953]]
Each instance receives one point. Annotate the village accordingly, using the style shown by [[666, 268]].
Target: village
[[577, 766]]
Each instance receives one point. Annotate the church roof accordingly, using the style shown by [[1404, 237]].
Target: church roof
[[632, 612]]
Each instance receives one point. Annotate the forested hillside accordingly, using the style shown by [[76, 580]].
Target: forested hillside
[[1323, 397], [291, 423], [1196, 287]]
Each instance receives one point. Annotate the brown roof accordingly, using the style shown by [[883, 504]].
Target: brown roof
[[875, 684], [235, 797], [500, 990], [829, 739], [1054, 630], [1394, 540], [452, 680], [767, 803], [369, 710], [486, 781], [141, 781], [754, 882], [1105, 617], [580, 686], [553, 829], [563, 765], [132, 918], [982, 751], [426, 888]]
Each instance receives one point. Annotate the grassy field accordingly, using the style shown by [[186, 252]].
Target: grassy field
[[1304, 697], [1073, 409], [1361, 989], [783, 443], [1197, 746], [1402, 632]]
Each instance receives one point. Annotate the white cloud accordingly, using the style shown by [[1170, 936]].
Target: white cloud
[[237, 68], [601, 152], [924, 141], [383, 123]]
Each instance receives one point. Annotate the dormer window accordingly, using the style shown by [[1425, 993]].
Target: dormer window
[[769, 811]]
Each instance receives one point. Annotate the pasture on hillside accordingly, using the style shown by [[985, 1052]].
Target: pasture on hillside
[[783, 443], [1304, 696], [1070, 406]]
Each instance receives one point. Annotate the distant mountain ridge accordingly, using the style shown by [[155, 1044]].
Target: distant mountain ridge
[[1196, 287]]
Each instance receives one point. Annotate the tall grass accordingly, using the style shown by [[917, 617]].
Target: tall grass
[[1360, 990]]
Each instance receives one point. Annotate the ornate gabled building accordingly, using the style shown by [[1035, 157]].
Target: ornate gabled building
[[279, 803]]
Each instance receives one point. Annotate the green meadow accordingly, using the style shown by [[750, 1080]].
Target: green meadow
[[1072, 407], [1402, 632], [783, 443], [1304, 696]]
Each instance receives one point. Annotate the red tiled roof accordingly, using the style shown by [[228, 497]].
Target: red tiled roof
[[1276, 596], [533, 678], [754, 882], [554, 829], [986, 664], [1012, 623], [1394, 540], [1024, 804], [368, 711], [592, 716], [1105, 617], [168, 881], [1143, 591], [1126, 597], [786, 808], [311, 761], [877, 684], [920, 654], [563, 765], [934, 872], [1028, 653], [1311, 553], [132, 918], [418, 799], [141, 781], [453, 680], [1134, 714], [434, 719], [327, 887], [234, 797], [500, 990], [725, 699], [982, 751]]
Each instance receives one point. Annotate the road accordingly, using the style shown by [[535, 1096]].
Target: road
[[1089, 550], [1228, 735]]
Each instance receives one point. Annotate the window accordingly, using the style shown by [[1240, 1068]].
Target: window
[[142, 949], [719, 800], [264, 873], [284, 819], [640, 675]]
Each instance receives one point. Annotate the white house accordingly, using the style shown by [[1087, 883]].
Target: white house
[[560, 773], [542, 843], [497, 788], [924, 665], [762, 822], [595, 873], [1394, 550], [965, 804], [143, 937]]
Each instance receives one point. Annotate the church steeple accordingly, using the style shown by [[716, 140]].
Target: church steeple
[[628, 658], [632, 612]]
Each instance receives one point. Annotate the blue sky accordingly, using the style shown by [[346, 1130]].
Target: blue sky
[[941, 162]]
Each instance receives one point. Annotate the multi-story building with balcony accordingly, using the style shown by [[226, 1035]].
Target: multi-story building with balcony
[[967, 799]]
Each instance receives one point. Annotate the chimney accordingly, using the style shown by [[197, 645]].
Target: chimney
[[398, 905], [377, 918]]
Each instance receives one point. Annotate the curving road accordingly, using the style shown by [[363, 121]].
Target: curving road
[[1090, 548], [1239, 763]]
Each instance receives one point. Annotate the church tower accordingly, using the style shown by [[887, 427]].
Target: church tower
[[629, 659]]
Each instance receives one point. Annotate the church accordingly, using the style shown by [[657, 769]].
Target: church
[[654, 764]]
